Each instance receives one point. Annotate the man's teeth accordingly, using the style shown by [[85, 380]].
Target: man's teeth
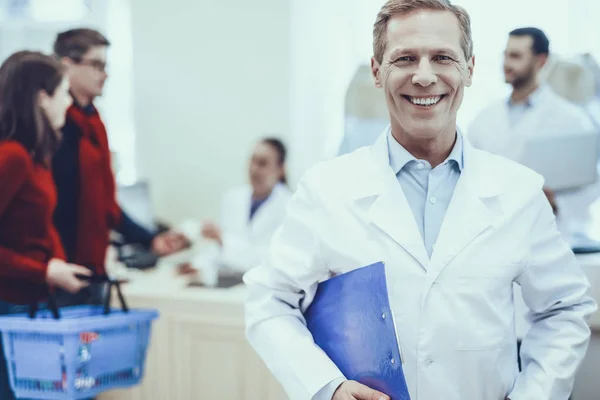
[[425, 101]]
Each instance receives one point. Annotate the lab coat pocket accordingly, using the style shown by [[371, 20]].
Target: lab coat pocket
[[481, 308], [487, 374]]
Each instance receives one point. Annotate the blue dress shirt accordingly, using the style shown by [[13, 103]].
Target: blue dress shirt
[[516, 112], [428, 190]]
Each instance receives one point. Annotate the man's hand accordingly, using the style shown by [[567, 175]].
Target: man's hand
[[213, 232], [168, 243], [550, 196], [352, 390]]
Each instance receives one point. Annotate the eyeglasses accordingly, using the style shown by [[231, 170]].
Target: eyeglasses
[[98, 65]]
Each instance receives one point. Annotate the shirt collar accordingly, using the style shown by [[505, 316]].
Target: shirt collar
[[88, 110], [532, 100], [400, 157]]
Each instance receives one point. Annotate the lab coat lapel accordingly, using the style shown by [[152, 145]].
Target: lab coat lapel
[[382, 197], [245, 203], [263, 215], [467, 216]]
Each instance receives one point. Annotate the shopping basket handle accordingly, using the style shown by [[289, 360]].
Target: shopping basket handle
[[107, 299], [94, 278], [53, 303], [97, 278]]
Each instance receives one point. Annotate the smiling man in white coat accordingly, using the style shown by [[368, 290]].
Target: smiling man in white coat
[[455, 227]]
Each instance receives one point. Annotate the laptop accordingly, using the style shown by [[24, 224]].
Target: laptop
[[135, 200], [567, 161]]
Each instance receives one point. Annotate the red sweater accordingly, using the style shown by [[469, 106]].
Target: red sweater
[[28, 239]]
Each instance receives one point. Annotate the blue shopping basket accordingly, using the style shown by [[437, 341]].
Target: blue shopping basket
[[77, 352]]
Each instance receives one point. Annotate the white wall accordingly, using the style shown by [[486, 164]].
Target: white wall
[[322, 46], [210, 79], [328, 44]]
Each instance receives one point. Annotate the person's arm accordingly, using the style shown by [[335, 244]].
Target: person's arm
[[57, 247], [278, 292], [14, 167], [13, 172], [235, 251], [555, 290], [162, 244], [133, 232], [240, 255], [15, 265]]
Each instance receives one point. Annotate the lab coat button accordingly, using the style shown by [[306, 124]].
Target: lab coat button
[[432, 200]]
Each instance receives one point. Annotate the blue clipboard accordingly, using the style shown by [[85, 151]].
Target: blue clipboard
[[351, 321]]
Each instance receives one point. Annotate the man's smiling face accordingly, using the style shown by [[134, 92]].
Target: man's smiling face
[[423, 72]]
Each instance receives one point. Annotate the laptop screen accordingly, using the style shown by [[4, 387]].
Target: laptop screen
[[135, 201]]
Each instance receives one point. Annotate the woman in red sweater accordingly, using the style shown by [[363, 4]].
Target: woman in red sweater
[[34, 97]]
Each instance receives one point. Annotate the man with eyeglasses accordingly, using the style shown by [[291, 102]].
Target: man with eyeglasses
[[87, 209]]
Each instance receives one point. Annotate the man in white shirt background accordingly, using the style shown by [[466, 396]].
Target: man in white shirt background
[[532, 110], [455, 227]]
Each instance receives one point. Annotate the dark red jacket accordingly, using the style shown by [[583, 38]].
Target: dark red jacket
[[28, 239]]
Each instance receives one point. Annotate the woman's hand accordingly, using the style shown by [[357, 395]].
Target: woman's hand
[[213, 232], [64, 275]]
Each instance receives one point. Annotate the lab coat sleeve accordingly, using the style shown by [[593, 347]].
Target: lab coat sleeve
[[236, 253], [278, 292], [240, 255], [555, 290], [328, 391], [229, 203]]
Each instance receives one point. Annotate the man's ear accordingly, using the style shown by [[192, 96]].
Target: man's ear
[[541, 61], [469, 72], [376, 71], [67, 62]]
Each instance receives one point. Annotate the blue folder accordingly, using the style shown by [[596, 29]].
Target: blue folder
[[350, 319]]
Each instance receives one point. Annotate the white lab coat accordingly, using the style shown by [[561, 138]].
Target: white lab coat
[[550, 115], [454, 312], [245, 241]]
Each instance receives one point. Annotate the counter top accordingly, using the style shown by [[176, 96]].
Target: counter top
[[164, 282]]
